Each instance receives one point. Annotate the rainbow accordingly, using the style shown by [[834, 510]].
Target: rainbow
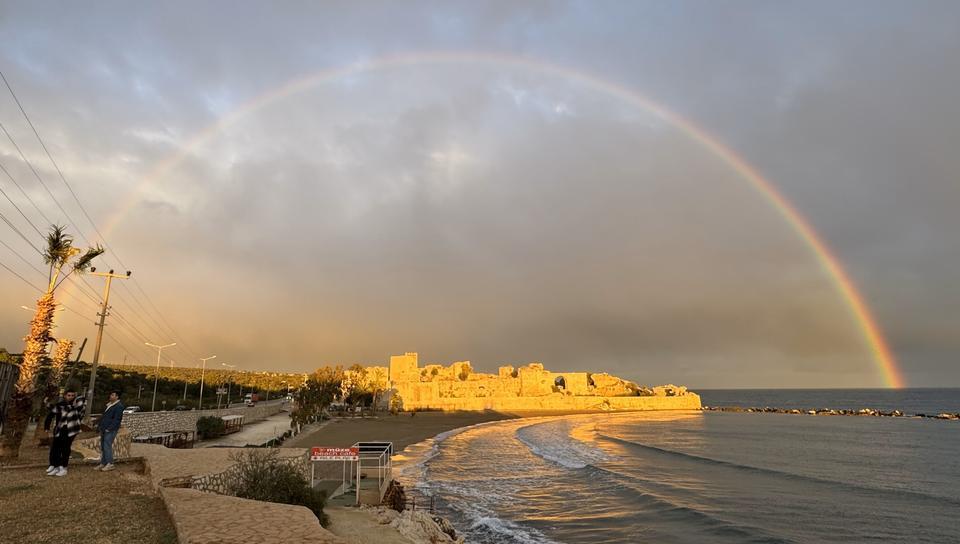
[[872, 337]]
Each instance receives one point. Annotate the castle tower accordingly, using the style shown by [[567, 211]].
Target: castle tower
[[404, 368]]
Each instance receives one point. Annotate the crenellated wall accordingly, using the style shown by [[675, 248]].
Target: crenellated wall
[[529, 387]]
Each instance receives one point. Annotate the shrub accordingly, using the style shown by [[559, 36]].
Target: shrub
[[210, 427], [261, 475]]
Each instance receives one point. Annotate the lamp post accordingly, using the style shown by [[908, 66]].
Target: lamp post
[[202, 370], [153, 403], [229, 380]]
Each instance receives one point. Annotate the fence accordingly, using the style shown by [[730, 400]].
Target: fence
[[8, 377]]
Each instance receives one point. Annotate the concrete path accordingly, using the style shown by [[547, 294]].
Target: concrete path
[[207, 518], [254, 434]]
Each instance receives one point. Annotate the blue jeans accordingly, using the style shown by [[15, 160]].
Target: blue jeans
[[106, 447]]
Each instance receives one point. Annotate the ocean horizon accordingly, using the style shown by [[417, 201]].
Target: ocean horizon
[[698, 476]]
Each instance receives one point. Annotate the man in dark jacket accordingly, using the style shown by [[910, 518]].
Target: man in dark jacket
[[66, 416], [109, 426]]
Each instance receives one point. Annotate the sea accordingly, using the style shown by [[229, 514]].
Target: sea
[[704, 477]]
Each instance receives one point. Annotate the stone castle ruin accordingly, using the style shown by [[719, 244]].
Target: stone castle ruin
[[530, 387]]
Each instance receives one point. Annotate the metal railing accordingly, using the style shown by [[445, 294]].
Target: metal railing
[[425, 502]]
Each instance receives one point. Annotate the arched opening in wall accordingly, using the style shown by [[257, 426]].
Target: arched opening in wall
[[560, 383]]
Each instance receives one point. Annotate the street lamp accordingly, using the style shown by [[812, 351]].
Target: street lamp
[[228, 381], [153, 403], [29, 309], [202, 370]]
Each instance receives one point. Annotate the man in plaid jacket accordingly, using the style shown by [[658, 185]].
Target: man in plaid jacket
[[66, 416]]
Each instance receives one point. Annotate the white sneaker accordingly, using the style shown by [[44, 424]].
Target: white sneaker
[[61, 471], [108, 467], [50, 470]]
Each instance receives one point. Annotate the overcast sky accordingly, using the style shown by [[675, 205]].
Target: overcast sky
[[491, 211]]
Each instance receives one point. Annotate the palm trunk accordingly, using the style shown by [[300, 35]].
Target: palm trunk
[[21, 402], [52, 390]]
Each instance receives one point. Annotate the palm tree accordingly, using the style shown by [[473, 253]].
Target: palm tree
[[59, 253], [52, 390]]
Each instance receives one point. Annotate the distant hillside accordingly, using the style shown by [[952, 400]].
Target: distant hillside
[[136, 383], [274, 381]]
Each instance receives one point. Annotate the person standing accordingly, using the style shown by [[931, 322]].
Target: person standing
[[65, 416], [108, 426]]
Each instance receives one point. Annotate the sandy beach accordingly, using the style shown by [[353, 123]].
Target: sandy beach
[[361, 525], [403, 429]]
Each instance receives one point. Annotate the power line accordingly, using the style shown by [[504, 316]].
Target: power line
[[83, 210], [25, 280], [40, 179], [14, 203], [22, 190], [22, 258], [16, 230]]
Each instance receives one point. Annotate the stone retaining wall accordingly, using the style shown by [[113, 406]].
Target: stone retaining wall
[[139, 423], [90, 447], [206, 518], [217, 483]]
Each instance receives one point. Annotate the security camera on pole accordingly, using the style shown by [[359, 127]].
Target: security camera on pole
[[153, 404]]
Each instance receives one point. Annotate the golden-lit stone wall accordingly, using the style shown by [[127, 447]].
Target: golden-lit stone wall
[[404, 368], [530, 387]]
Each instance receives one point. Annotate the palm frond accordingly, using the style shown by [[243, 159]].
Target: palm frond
[[84, 262], [59, 244]]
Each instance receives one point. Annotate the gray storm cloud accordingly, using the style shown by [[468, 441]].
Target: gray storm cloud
[[502, 215]]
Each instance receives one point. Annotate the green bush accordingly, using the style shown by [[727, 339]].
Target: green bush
[[261, 475], [210, 427]]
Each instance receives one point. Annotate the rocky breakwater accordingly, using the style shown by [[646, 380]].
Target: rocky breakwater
[[830, 412]]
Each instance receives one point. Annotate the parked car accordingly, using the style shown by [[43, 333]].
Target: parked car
[[131, 409], [180, 408]]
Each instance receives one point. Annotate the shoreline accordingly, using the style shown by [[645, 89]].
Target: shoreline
[[369, 524], [408, 428], [402, 430]]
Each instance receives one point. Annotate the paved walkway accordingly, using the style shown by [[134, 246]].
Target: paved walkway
[[205, 518], [254, 434]]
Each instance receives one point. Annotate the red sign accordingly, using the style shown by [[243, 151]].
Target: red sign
[[334, 454]]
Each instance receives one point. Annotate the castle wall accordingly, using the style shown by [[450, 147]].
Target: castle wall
[[404, 368], [574, 382], [559, 402], [527, 388]]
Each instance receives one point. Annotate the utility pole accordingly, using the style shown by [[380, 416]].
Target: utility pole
[[153, 404], [96, 350], [230, 379]]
